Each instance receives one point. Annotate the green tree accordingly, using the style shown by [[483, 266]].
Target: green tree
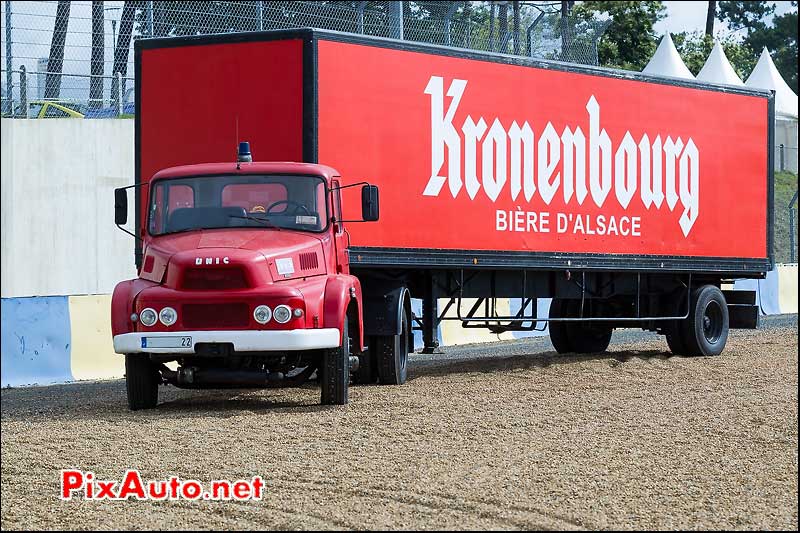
[[629, 42], [781, 40], [748, 15], [694, 49], [779, 36]]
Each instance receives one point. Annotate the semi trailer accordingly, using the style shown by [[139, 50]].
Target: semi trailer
[[295, 189]]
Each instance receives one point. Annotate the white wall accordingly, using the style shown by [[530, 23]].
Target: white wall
[[786, 134], [57, 206]]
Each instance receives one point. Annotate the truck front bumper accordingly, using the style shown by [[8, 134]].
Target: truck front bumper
[[243, 341]]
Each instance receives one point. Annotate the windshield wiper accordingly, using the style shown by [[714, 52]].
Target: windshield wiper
[[262, 221]]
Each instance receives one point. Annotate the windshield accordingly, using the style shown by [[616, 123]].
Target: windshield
[[237, 201]]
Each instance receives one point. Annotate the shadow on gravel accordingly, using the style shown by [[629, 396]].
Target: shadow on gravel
[[205, 403], [491, 364], [106, 401]]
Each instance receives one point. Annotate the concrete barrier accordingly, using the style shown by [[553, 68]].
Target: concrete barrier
[[92, 354], [36, 341], [57, 339], [57, 206], [787, 284]]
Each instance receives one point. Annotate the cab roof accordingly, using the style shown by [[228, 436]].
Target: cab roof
[[248, 168]]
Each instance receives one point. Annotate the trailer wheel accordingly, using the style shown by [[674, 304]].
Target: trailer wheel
[[559, 336], [335, 372], [576, 337], [705, 332], [674, 334], [391, 353], [141, 381], [587, 337]]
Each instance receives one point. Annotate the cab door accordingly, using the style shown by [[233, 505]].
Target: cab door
[[340, 237]]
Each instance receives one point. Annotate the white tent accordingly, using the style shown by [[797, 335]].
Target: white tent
[[766, 76], [667, 62], [718, 69]]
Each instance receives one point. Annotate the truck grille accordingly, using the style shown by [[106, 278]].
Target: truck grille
[[209, 279], [232, 315]]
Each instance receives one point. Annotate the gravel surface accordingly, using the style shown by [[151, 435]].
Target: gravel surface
[[502, 436]]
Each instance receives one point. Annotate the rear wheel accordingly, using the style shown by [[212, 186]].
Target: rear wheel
[[141, 381], [705, 332], [577, 337], [367, 372], [558, 330], [674, 334], [391, 354], [335, 372]]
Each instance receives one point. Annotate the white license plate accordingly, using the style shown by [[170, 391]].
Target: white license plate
[[166, 342]]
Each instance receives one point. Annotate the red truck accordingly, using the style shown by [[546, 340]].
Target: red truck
[[630, 200]]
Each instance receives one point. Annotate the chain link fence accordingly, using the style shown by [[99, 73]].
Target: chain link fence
[[75, 58], [80, 52]]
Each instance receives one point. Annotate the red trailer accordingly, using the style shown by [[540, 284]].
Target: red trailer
[[628, 199]]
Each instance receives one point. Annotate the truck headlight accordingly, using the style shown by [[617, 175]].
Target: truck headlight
[[148, 316], [168, 316], [262, 314], [282, 314]]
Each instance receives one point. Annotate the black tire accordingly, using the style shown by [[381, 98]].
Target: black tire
[[576, 337], [335, 372], [674, 334], [559, 336], [367, 373], [705, 332], [391, 353], [590, 338], [141, 381]]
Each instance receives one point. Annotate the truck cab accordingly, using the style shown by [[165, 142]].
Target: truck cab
[[245, 281]]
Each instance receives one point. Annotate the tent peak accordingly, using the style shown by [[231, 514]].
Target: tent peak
[[667, 62]]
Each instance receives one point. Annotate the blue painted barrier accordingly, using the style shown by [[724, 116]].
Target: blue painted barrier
[[35, 346]]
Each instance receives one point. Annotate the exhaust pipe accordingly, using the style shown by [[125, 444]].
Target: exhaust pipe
[[190, 377]]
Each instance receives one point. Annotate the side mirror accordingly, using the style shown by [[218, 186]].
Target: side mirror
[[369, 203], [120, 206]]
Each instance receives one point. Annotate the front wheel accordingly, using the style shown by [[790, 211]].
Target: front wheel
[[141, 381], [335, 371]]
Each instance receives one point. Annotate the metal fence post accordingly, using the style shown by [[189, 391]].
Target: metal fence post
[[260, 15], [119, 93], [9, 103], [150, 18], [468, 13], [448, 20], [792, 218], [782, 159], [529, 33], [360, 10], [23, 91], [396, 19]]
